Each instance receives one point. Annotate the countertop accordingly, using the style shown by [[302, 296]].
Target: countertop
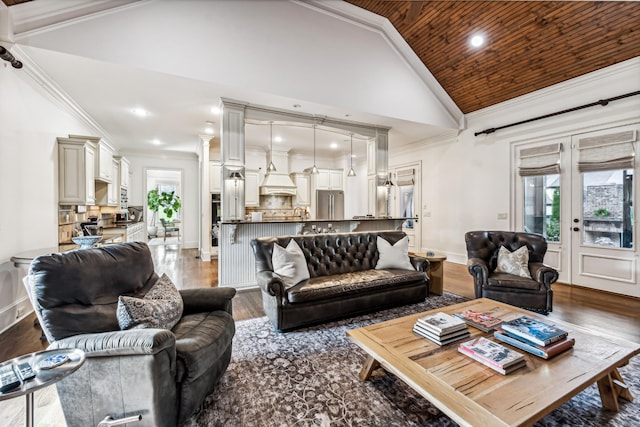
[[293, 221]]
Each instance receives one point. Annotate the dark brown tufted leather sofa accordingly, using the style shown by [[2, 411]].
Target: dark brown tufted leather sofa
[[482, 251], [343, 281]]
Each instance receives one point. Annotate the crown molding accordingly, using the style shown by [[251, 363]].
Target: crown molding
[[34, 17], [41, 79], [372, 22]]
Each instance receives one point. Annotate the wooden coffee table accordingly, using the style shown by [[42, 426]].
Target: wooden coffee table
[[472, 394]]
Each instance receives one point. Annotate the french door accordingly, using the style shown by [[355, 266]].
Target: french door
[[579, 192]]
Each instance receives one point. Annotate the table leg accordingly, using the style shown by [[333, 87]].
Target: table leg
[[29, 410], [370, 365], [611, 388]]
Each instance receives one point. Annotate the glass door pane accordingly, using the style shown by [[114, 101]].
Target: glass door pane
[[542, 206], [607, 208]]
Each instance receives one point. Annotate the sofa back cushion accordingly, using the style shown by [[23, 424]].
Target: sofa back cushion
[[486, 245], [328, 254], [77, 292]]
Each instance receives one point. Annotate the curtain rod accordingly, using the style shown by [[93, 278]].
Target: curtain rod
[[602, 102]]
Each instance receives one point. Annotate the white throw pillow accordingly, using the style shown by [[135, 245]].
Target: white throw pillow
[[396, 256], [516, 262], [289, 263]]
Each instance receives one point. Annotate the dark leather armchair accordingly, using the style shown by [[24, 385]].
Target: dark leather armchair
[[533, 294], [161, 374]]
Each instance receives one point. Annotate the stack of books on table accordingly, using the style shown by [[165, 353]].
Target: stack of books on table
[[485, 321], [537, 337], [441, 328], [492, 354]]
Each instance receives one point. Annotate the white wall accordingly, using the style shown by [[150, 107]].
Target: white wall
[[468, 181], [30, 122]]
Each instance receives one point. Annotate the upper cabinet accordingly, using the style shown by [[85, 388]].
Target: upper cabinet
[[76, 171], [124, 172], [303, 189], [215, 177], [252, 188], [329, 179], [104, 164]]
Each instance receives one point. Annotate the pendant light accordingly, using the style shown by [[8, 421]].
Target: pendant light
[[314, 169], [272, 167], [351, 171]]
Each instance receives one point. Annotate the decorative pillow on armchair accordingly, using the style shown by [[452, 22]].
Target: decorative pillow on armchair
[[516, 262], [289, 263], [393, 256], [161, 307]]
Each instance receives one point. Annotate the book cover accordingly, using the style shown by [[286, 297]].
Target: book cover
[[485, 321], [536, 331], [544, 352], [492, 352], [441, 323], [441, 340], [503, 371]]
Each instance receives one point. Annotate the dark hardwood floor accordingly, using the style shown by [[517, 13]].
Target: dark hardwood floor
[[600, 311]]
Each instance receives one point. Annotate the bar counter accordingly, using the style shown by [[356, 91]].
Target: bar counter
[[236, 266]]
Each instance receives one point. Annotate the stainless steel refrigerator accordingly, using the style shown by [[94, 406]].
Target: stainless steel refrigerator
[[329, 204]]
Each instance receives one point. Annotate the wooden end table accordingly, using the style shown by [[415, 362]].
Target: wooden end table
[[44, 377], [435, 272], [474, 395]]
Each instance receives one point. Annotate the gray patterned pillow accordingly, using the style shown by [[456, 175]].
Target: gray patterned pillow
[[516, 262], [160, 308]]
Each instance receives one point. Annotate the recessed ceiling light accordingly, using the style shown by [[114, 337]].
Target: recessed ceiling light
[[297, 106], [277, 139], [333, 145], [477, 40], [215, 110], [140, 112], [208, 130], [156, 142]]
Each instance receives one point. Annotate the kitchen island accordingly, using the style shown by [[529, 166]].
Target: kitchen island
[[236, 266]]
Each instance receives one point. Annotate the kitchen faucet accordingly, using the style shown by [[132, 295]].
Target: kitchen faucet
[[303, 212]]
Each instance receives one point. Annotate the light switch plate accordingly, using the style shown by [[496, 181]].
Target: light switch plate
[[502, 215]]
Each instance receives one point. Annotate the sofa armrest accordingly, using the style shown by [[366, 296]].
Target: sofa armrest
[[270, 283], [479, 269], [120, 343], [204, 300], [419, 263], [543, 274]]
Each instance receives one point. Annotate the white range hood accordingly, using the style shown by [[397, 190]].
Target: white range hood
[[278, 183]]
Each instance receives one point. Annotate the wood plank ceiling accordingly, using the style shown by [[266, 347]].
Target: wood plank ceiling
[[530, 44]]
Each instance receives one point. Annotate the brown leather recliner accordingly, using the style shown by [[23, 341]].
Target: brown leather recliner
[[533, 294]]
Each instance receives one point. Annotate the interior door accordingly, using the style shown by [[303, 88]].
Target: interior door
[[604, 254], [407, 202]]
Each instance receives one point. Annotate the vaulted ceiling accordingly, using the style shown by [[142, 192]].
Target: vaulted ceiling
[[529, 44]]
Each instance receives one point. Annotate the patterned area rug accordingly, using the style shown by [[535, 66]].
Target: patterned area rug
[[310, 378]]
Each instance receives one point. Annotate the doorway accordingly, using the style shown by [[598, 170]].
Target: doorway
[[406, 196], [579, 192], [167, 181]]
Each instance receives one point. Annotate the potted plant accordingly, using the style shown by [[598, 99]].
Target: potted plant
[[168, 202]]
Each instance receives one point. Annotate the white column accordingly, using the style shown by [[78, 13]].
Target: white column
[[205, 210]]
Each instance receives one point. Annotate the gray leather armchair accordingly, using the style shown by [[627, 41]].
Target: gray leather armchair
[[482, 252], [160, 374]]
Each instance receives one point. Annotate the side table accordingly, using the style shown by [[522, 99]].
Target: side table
[[44, 377], [436, 271]]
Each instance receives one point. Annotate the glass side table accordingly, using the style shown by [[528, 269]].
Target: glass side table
[[43, 378]]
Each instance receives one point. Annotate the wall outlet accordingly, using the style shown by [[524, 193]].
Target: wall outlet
[[502, 215]]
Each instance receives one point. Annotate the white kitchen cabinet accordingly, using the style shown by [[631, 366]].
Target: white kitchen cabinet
[[137, 232], [104, 163], [372, 195], [108, 193], [329, 179], [303, 189], [215, 177], [252, 188], [124, 172], [76, 172], [371, 158]]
